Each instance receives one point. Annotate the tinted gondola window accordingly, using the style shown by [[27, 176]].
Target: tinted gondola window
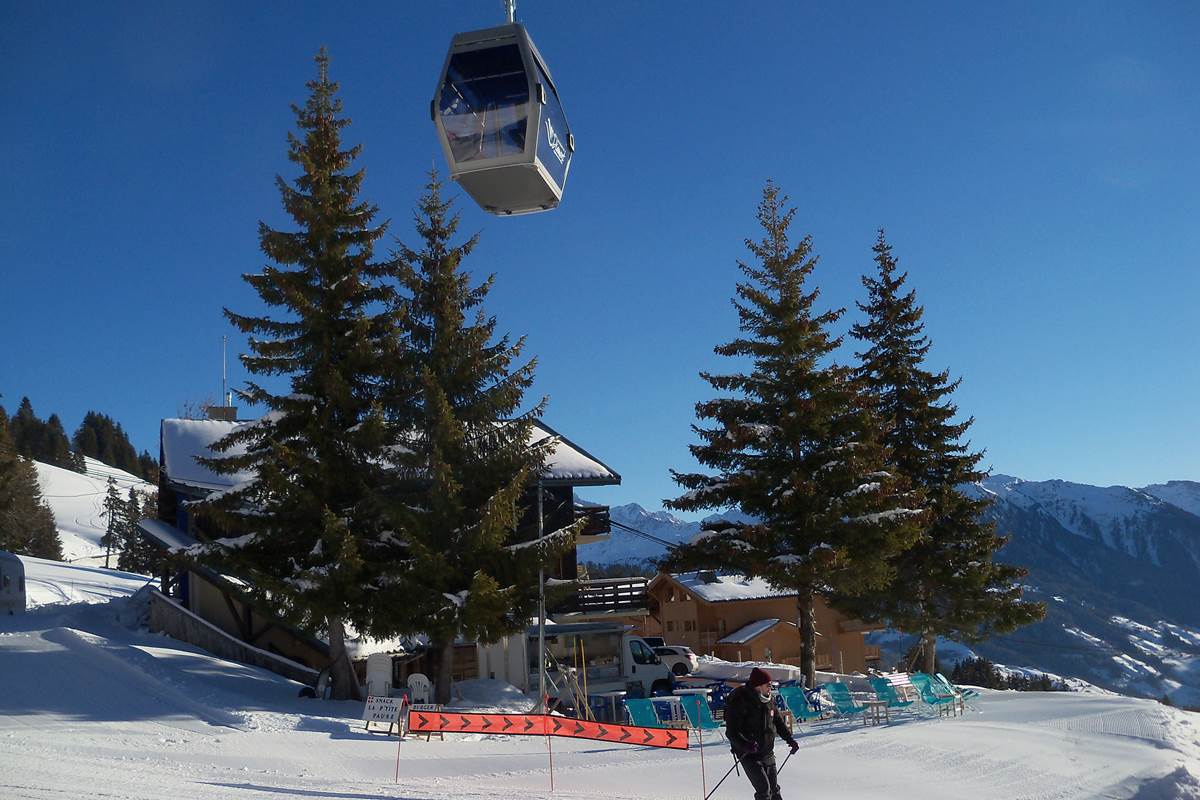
[[485, 103], [554, 145]]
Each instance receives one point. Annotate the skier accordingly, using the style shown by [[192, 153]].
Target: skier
[[751, 721]]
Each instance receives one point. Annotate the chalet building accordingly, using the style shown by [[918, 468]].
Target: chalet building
[[743, 619], [212, 610]]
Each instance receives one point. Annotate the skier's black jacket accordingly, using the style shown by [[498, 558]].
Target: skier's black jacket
[[749, 719]]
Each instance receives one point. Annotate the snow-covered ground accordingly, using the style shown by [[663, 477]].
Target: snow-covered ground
[[94, 706], [77, 501]]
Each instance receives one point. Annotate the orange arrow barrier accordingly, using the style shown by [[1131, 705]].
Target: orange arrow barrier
[[543, 725], [673, 738]]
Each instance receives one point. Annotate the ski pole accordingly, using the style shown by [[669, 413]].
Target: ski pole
[[784, 764]]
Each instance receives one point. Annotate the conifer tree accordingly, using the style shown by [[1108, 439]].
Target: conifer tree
[[300, 530], [148, 467], [457, 564], [948, 583], [26, 523], [793, 445], [116, 514], [137, 554]]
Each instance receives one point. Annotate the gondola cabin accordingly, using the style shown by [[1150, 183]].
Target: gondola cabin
[[12, 584], [500, 122]]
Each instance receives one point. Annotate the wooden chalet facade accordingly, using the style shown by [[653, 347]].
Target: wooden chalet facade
[[741, 619]]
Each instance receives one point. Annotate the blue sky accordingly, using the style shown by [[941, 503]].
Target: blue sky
[[1035, 166]]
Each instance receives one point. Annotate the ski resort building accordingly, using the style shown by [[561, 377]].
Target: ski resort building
[[212, 610], [744, 619]]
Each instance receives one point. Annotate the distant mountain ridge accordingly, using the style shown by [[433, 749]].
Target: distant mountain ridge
[[1118, 568]]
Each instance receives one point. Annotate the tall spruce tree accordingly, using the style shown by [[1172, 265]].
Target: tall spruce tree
[[456, 562], [137, 554], [26, 523], [793, 446], [116, 515], [947, 584], [300, 531]]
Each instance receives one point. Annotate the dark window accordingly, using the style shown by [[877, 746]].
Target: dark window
[[485, 103], [641, 653], [554, 145]]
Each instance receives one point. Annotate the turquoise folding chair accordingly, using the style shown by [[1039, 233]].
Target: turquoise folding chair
[[963, 692], [887, 693], [642, 713], [844, 702], [797, 702], [699, 715], [933, 695]]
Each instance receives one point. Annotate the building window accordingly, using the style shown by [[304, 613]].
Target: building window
[[671, 595], [670, 627], [721, 625], [689, 625]]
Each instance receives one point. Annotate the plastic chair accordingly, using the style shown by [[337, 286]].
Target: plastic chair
[[963, 692], [699, 715], [887, 693], [641, 713], [933, 694], [422, 689], [796, 701], [844, 702]]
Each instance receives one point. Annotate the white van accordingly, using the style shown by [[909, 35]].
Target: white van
[[614, 660], [12, 584]]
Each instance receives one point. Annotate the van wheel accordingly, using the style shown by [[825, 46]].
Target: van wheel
[[680, 669], [661, 687]]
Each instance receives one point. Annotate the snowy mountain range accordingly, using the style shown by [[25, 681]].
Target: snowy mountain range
[[1117, 567]]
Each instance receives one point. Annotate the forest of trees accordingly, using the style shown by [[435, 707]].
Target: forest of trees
[[98, 436], [26, 522]]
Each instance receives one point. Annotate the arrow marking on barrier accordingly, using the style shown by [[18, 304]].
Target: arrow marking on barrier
[[543, 725]]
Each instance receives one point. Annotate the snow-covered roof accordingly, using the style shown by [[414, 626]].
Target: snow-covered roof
[[748, 632], [716, 587], [167, 536], [185, 440]]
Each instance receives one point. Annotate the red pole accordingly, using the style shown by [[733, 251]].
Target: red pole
[[400, 734], [550, 750], [703, 777]]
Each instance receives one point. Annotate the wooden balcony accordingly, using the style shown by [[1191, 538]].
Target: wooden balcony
[[596, 528], [611, 595]]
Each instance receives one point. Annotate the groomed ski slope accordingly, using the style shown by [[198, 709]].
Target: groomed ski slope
[[94, 707]]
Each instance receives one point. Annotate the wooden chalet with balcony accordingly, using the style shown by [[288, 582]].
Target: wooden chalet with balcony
[[744, 619]]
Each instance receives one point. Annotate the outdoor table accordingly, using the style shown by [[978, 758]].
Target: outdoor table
[[613, 700], [877, 710]]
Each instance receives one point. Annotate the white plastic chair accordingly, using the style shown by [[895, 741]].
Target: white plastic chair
[[420, 688]]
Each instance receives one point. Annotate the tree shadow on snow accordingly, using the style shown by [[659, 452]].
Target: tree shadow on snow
[[338, 729], [251, 787]]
